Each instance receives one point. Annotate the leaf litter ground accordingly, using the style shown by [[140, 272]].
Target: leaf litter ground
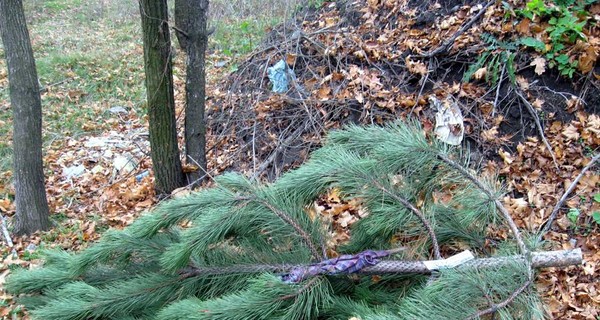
[[358, 62]]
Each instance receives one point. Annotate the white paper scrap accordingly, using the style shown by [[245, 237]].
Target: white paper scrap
[[449, 126], [451, 262]]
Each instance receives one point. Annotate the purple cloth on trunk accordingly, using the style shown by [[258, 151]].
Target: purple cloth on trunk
[[344, 264]]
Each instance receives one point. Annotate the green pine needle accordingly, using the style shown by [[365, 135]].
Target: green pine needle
[[143, 271]]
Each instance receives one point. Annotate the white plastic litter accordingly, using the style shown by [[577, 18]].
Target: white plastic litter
[[451, 262], [449, 126], [280, 75], [124, 164], [73, 171]]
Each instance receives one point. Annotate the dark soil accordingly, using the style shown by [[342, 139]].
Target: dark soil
[[288, 126]]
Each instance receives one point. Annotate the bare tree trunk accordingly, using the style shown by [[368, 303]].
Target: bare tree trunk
[[161, 104], [191, 20], [30, 198]]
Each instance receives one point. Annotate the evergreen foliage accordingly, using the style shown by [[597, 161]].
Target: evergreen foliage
[[144, 271]]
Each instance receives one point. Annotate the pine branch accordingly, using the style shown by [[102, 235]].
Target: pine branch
[[261, 299], [457, 293], [416, 212], [561, 258], [502, 304], [230, 191], [307, 286], [29, 281], [290, 221], [79, 300], [243, 250], [118, 246], [490, 194]]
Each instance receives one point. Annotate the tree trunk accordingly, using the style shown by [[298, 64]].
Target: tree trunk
[[161, 104], [30, 196], [190, 17]]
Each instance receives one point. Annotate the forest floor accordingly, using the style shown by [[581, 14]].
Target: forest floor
[[360, 62]]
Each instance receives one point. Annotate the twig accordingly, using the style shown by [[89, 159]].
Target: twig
[[263, 166], [206, 173], [484, 292], [304, 288], [5, 232], [560, 202], [562, 94], [490, 194], [330, 29], [502, 304], [290, 221], [416, 212], [254, 146], [45, 88], [539, 126], [498, 91], [448, 43], [302, 100], [422, 88], [185, 34]]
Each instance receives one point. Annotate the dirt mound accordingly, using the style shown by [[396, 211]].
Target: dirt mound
[[527, 113], [372, 62]]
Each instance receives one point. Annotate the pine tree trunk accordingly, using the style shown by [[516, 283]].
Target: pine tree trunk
[[190, 17], [161, 104], [30, 198]]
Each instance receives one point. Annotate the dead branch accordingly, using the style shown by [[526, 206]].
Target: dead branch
[[498, 86], [45, 88], [502, 304], [5, 232], [289, 220], [416, 212], [538, 126], [448, 43], [280, 147], [562, 200], [490, 194]]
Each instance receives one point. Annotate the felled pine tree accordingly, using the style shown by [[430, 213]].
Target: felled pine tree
[[244, 250]]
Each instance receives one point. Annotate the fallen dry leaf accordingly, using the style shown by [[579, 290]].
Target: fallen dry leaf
[[571, 133], [540, 65]]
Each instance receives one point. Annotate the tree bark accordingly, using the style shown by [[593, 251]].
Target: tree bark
[[30, 195], [542, 259], [191, 21], [161, 103]]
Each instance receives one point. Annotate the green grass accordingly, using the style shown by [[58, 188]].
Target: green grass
[[60, 5], [5, 153], [240, 37], [89, 58], [240, 24]]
